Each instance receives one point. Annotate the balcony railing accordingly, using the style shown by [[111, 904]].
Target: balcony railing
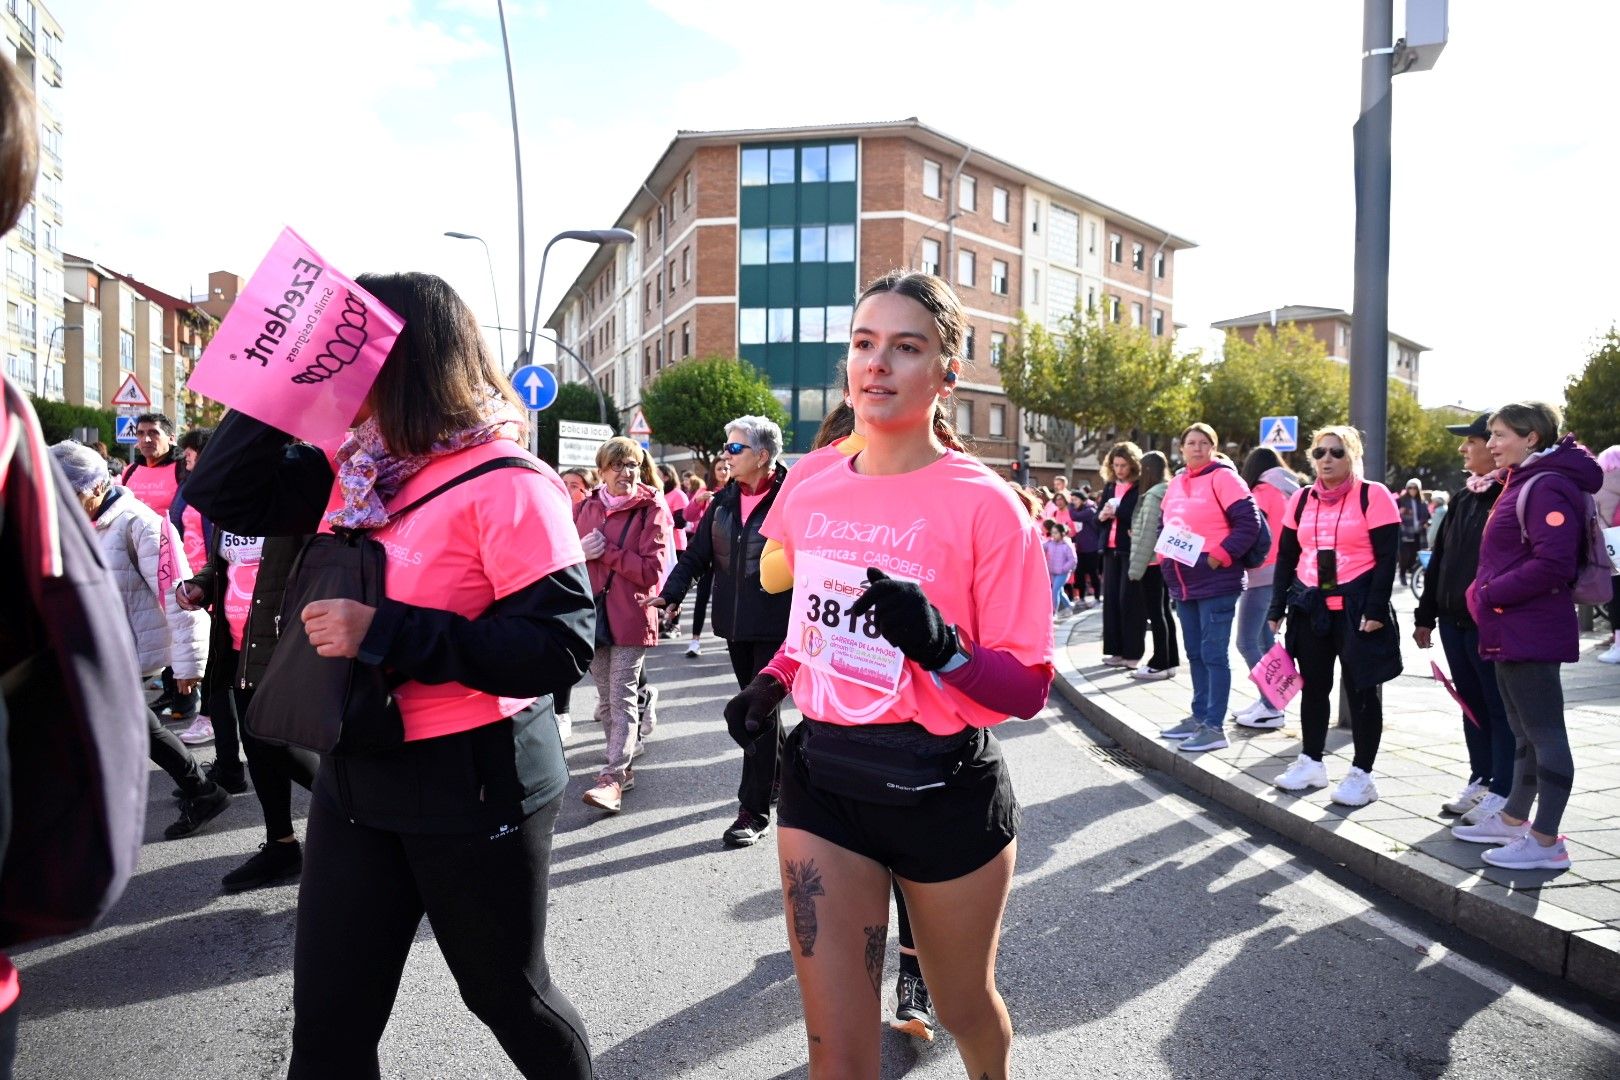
[[20, 283]]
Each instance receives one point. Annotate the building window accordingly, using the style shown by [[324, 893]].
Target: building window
[[1136, 313], [658, 287], [840, 243], [967, 342], [126, 351], [964, 417], [1158, 266], [841, 163], [778, 325], [998, 277], [813, 165], [998, 422], [686, 263], [964, 268], [1116, 248], [1113, 308], [686, 339], [1137, 252], [753, 247], [688, 193], [781, 245], [931, 178], [967, 193], [812, 324], [1063, 240], [998, 348], [1000, 205], [813, 243], [930, 257], [1091, 237], [1158, 323], [751, 326], [1035, 294], [1344, 337], [782, 164], [1091, 299], [1035, 216]]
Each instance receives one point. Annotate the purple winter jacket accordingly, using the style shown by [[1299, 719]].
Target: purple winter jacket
[[1520, 598]]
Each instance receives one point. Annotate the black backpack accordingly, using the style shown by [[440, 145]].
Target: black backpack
[[73, 735], [328, 704]]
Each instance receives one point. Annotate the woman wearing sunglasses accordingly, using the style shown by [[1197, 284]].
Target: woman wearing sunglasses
[[1335, 568]]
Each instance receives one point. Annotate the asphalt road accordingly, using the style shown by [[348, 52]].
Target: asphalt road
[[1148, 935]]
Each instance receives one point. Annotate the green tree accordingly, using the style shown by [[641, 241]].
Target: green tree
[[1592, 409], [57, 419], [1285, 371], [575, 401], [1092, 381], [1419, 444], [691, 403]]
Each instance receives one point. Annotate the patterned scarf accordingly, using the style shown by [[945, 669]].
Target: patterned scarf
[[369, 474]]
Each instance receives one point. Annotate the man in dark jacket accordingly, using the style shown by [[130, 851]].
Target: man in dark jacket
[[752, 622], [1452, 564]]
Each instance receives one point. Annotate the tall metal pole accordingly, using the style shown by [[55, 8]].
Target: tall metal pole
[[1369, 324], [517, 164]]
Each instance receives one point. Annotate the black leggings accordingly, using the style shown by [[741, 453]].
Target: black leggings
[[170, 754], [1116, 607], [1088, 574], [275, 769], [1315, 655], [364, 893], [700, 609]]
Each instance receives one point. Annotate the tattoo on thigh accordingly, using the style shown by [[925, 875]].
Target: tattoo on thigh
[[876, 937], [803, 886]]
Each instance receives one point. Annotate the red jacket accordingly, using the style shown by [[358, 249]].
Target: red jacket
[[634, 558]]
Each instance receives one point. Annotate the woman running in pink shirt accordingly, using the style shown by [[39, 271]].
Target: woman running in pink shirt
[[908, 781]]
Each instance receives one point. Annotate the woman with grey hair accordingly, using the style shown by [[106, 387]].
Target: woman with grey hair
[[752, 622], [145, 561]]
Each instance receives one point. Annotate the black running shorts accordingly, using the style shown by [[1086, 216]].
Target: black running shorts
[[950, 833]]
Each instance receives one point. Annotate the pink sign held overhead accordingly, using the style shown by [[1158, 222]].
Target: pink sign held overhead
[[1277, 677], [300, 347]]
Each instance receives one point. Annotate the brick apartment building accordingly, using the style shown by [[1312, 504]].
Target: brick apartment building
[[1332, 328], [754, 244]]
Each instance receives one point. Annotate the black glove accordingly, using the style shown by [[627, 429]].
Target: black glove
[[907, 620], [754, 704]]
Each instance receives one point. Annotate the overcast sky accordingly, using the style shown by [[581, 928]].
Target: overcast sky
[[195, 129]]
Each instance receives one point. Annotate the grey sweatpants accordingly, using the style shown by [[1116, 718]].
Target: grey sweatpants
[[616, 669], [1543, 769]]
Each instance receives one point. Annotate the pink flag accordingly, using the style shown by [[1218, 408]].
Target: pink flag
[[1440, 676], [1277, 677], [300, 347]]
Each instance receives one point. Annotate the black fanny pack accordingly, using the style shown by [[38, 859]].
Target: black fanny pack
[[872, 772]]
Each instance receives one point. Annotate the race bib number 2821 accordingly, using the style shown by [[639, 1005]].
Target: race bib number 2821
[[823, 633]]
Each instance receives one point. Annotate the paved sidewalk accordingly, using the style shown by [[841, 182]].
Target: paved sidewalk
[[1566, 924]]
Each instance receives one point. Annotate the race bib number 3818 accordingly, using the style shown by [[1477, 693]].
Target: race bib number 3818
[[823, 633]]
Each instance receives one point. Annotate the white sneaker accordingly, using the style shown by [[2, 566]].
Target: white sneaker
[[695, 648], [1261, 716], [565, 726], [1488, 804], [1356, 789], [1467, 798], [1612, 656], [1528, 853], [1491, 830], [1303, 773], [200, 733], [1152, 674]]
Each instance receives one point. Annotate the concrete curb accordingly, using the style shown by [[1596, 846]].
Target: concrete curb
[[1581, 950]]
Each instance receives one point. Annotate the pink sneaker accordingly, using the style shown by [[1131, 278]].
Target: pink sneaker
[[606, 795], [200, 733]]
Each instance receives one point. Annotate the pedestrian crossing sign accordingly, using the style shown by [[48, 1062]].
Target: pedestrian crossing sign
[[125, 430], [1281, 433]]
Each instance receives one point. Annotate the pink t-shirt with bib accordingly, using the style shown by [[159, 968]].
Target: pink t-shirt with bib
[[242, 555], [477, 543], [955, 528], [1341, 527], [154, 485]]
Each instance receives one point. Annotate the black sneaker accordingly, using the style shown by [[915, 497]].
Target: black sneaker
[[913, 1011], [232, 780], [274, 862], [198, 811], [746, 830], [184, 707]]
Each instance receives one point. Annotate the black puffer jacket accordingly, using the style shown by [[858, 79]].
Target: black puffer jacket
[[1455, 558], [732, 547]]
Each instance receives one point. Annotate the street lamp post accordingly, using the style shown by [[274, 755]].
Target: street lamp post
[[601, 398], [499, 340], [589, 236], [50, 344]]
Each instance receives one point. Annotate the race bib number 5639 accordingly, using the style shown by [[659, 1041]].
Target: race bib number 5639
[[823, 633]]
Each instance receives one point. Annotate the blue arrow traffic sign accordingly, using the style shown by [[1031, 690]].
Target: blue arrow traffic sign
[[1280, 432], [536, 386], [125, 430]]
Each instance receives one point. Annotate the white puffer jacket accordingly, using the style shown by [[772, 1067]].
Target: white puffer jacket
[[145, 557]]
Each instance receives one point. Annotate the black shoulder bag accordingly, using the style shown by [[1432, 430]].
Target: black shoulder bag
[[326, 704]]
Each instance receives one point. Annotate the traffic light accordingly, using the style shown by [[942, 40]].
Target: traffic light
[[1021, 469]]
